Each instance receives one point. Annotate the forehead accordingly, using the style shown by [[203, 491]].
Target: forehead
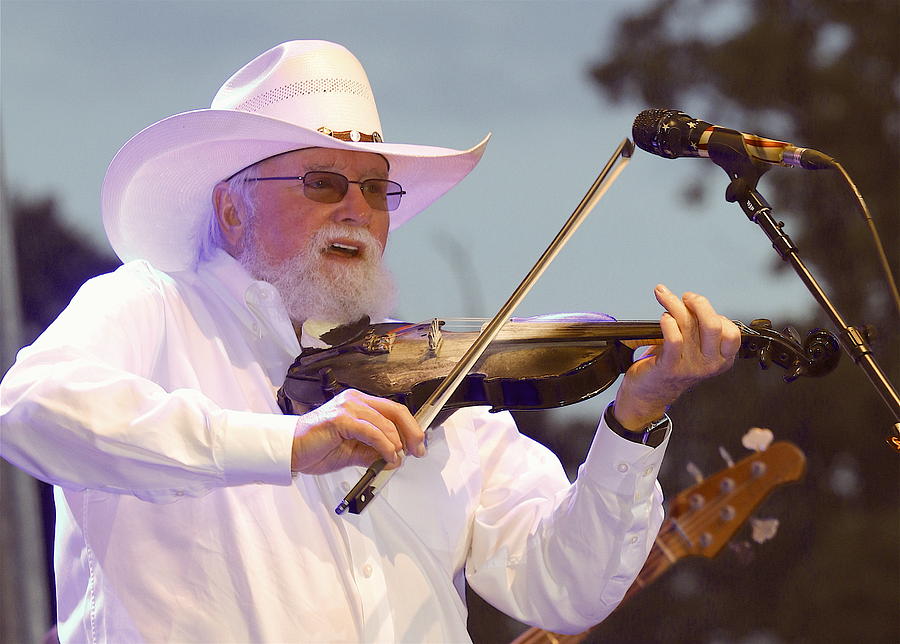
[[363, 163]]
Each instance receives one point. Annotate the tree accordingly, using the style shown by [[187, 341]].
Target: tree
[[52, 262], [826, 73]]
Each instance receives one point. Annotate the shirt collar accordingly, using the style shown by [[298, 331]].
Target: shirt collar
[[253, 301]]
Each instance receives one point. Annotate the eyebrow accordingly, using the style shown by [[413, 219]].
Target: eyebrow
[[320, 165]]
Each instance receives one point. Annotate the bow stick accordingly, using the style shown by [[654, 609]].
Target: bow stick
[[376, 476]]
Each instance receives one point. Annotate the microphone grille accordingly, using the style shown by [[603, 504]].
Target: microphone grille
[[646, 129]]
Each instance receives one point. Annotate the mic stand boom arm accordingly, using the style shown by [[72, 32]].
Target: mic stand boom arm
[[744, 175]]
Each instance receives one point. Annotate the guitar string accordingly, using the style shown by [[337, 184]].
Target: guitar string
[[651, 568]]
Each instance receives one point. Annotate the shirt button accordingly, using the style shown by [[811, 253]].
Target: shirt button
[[622, 467], [648, 471], [367, 571], [345, 486], [179, 492], [633, 540]]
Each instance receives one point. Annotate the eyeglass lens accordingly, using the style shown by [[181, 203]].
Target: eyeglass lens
[[331, 187]]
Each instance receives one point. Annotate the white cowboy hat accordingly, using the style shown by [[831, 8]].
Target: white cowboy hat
[[156, 197]]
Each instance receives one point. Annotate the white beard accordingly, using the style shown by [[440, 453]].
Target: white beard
[[314, 288]]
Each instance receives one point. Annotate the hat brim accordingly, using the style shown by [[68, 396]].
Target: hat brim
[[157, 193]]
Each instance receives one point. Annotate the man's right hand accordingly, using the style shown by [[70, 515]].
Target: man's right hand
[[354, 428]]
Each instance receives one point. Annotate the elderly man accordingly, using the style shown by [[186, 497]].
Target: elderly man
[[190, 509]]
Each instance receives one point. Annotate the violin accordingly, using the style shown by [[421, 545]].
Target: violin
[[533, 363], [433, 373]]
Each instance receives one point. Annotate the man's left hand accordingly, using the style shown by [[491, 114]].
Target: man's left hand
[[697, 343]]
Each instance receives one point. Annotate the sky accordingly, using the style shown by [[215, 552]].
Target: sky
[[79, 78]]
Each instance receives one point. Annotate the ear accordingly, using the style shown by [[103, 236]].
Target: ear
[[230, 219]]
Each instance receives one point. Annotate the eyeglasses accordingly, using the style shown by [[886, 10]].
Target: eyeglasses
[[331, 187]]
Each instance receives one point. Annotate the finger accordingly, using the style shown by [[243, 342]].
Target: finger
[[411, 434], [394, 419], [677, 309], [354, 418], [669, 355], [326, 437], [731, 339], [363, 455], [365, 412], [356, 431], [709, 325]]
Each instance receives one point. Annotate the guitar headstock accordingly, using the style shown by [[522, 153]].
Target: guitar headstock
[[708, 514]]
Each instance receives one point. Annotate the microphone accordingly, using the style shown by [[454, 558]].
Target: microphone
[[672, 134]]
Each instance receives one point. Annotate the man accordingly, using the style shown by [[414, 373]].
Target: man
[[190, 509]]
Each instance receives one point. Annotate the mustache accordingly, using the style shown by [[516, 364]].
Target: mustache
[[370, 245]]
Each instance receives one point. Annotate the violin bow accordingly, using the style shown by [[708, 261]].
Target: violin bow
[[376, 476]]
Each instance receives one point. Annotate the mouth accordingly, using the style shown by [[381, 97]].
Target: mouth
[[345, 249]]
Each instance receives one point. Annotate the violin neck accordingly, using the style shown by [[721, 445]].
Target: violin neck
[[637, 344], [640, 332]]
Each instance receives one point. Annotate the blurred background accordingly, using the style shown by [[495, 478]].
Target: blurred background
[[558, 84]]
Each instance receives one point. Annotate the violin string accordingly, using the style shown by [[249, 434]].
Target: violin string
[[548, 320], [563, 329]]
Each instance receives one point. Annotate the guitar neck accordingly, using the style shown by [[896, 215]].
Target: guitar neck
[[703, 518], [665, 552]]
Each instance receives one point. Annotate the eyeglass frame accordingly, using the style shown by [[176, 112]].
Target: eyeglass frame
[[302, 179]]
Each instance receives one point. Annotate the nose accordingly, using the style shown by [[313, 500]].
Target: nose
[[353, 208]]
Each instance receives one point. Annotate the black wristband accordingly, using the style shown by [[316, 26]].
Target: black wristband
[[651, 435]]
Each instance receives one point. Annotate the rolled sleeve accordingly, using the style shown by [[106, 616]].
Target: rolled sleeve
[[562, 557]]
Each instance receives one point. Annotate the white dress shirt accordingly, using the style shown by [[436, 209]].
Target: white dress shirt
[[150, 405]]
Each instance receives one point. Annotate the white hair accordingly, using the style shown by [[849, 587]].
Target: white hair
[[243, 192]]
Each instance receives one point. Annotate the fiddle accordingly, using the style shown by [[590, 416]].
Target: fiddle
[[430, 393], [533, 363]]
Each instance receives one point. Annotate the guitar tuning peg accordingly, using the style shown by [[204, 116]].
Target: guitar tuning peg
[[695, 472], [757, 439], [726, 456], [763, 529]]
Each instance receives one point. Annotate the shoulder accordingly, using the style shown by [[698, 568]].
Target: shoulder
[[129, 299], [130, 289], [134, 275]]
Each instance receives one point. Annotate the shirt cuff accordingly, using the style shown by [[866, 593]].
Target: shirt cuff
[[622, 465], [257, 448]]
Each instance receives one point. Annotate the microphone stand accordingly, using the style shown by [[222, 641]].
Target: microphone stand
[[744, 174]]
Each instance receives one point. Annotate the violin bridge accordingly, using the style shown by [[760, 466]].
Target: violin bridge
[[435, 337]]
